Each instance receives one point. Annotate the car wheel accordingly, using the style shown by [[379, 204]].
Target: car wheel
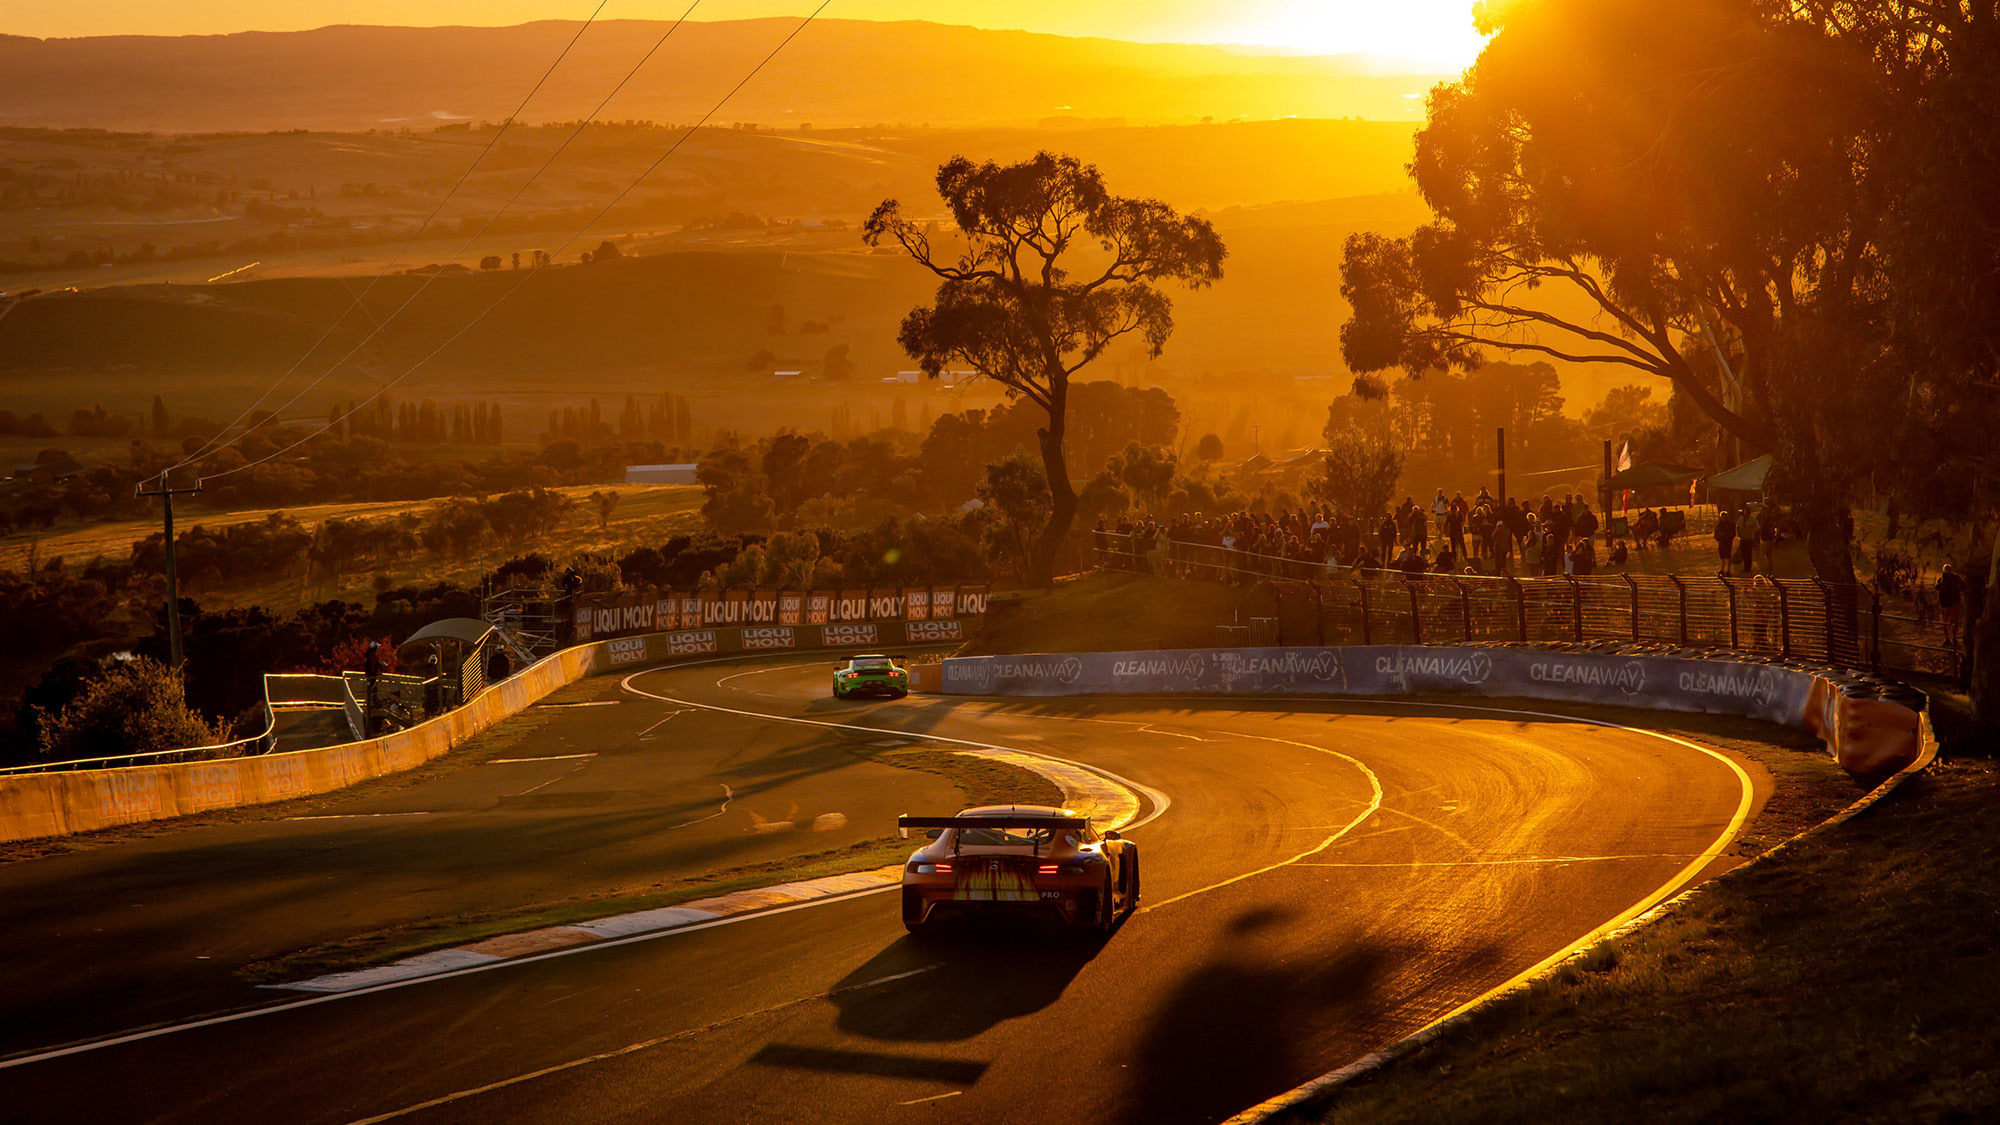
[[1131, 858], [1107, 908], [898, 693]]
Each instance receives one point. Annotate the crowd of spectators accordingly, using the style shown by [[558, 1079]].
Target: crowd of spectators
[[1451, 535]]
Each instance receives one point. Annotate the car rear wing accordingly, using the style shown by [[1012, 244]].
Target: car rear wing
[[1011, 820]]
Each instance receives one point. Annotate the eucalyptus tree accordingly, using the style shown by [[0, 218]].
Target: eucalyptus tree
[[1693, 194], [1048, 269]]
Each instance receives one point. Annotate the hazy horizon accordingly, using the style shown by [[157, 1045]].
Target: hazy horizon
[[1427, 35]]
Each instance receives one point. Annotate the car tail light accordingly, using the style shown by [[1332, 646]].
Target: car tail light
[[931, 868], [1049, 869]]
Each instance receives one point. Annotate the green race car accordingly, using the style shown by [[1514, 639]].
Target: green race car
[[873, 674]]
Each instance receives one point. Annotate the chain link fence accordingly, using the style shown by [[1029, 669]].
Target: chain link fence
[[1789, 618]]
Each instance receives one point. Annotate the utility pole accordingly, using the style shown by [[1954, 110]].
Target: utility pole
[[166, 496], [1500, 443]]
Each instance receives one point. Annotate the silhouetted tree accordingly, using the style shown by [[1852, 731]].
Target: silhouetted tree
[[1010, 306], [838, 368], [1695, 199]]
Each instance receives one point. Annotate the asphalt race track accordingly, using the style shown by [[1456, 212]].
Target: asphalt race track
[[1324, 879]]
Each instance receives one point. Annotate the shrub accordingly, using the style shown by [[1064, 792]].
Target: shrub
[[137, 707]]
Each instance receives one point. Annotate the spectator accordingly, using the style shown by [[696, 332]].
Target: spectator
[[1619, 556], [1763, 597], [1645, 527], [1500, 545], [371, 670], [1582, 559], [1951, 604], [497, 665], [1725, 538], [1454, 526], [1585, 524], [1746, 541]]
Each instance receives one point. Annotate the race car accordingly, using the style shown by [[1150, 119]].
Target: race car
[[873, 674], [1024, 859]]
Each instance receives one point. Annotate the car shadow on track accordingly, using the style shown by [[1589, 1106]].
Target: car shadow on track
[[964, 980], [1227, 1035]]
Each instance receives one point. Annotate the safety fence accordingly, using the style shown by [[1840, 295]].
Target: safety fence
[[1323, 603]]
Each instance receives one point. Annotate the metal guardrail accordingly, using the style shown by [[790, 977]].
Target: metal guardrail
[[1805, 618]]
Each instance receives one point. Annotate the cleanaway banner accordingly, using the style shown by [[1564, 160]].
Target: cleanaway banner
[[1776, 694]]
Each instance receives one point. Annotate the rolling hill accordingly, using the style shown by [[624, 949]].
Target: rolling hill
[[837, 72]]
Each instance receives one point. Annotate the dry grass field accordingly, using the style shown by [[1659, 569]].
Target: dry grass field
[[645, 514]]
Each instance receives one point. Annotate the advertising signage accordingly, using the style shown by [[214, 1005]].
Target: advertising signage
[[603, 616]]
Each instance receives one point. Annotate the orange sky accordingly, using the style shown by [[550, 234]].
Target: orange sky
[[1429, 30]]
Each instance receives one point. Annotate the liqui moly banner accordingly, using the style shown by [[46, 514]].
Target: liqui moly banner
[[850, 605], [885, 604], [1757, 691], [600, 616]]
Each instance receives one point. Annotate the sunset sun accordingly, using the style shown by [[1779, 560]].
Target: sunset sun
[[1437, 31]]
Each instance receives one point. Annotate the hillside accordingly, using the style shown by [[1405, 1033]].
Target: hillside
[[674, 310], [839, 72]]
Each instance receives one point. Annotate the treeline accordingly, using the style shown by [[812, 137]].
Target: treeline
[[667, 418], [278, 547], [473, 423], [791, 480]]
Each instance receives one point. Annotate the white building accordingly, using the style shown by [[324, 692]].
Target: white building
[[659, 474]]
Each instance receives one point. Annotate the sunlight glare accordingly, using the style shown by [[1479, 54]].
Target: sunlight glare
[[1435, 31]]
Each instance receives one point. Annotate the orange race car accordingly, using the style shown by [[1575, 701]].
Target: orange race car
[[1019, 858]]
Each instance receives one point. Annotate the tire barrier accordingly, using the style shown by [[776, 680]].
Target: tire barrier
[[56, 804], [1868, 724]]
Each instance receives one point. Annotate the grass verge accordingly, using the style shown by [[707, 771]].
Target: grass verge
[[983, 781], [1853, 977]]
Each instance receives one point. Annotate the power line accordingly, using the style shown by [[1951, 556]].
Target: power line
[[530, 274], [481, 232], [495, 217], [206, 446]]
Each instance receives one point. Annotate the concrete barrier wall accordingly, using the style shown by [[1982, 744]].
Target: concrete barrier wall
[[1864, 733], [55, 804]]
